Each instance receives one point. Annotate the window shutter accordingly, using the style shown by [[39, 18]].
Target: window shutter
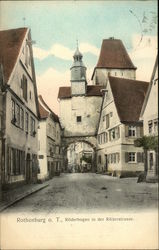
[[138, 132], [118, 131], [109, 135], [141, 131], [118, 157], [139, 157], [126, 156], [126, 130], [142, 157]]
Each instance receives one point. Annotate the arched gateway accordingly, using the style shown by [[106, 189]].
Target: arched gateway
[[80, 107], [90, 141]]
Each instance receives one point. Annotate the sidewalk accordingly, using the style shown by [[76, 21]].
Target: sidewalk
[[14, 195]]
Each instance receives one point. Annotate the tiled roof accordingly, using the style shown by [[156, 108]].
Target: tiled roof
[[114, 55], [10, 44], [128, 97], [44, 112], [92, 90]]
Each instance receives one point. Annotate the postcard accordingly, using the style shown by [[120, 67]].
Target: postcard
[[78, 125]]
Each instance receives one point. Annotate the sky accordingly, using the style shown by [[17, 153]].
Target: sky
[[57, 25]]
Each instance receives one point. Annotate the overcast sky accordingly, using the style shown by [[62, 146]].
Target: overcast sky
[[55, 26]]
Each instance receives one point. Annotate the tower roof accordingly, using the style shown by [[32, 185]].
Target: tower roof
[[114, 55], [77, 53]]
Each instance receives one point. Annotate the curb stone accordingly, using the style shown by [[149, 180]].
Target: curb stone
[[22, 197]]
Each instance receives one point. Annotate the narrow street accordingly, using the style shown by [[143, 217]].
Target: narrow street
[[89, 192]]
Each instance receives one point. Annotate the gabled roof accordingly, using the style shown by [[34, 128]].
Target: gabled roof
[[92, 90], [10, 45], [44, 110], [150, 87], [128, 97]]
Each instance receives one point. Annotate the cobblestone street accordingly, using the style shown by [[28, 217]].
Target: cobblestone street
[[89, 192]]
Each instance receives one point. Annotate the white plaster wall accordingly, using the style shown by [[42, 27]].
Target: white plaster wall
[[151, 110], [101, 75], [87, 107], [78, 88], [15, 84], [42, 150]]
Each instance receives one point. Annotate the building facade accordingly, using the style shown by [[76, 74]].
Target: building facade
[[20, 109], [119, 126], [49, 136], [80, 105], [149, 116]]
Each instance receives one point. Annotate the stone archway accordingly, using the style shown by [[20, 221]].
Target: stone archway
[[90, 140]]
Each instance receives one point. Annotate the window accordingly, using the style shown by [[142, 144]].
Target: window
[[32, 127], [26, 122], [24, 87], [132, 157], [105, 137], [113, 158], [132, 131], [155, 126], [13, 112], [79, 118], [107, 121], [150, 125], [17, 115], [21, 118], [30, 95], [112, 134], [16, 161]]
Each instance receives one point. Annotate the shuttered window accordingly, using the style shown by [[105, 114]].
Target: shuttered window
[[136, 157]]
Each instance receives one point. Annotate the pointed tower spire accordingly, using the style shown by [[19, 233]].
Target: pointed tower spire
[[78, 72]]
